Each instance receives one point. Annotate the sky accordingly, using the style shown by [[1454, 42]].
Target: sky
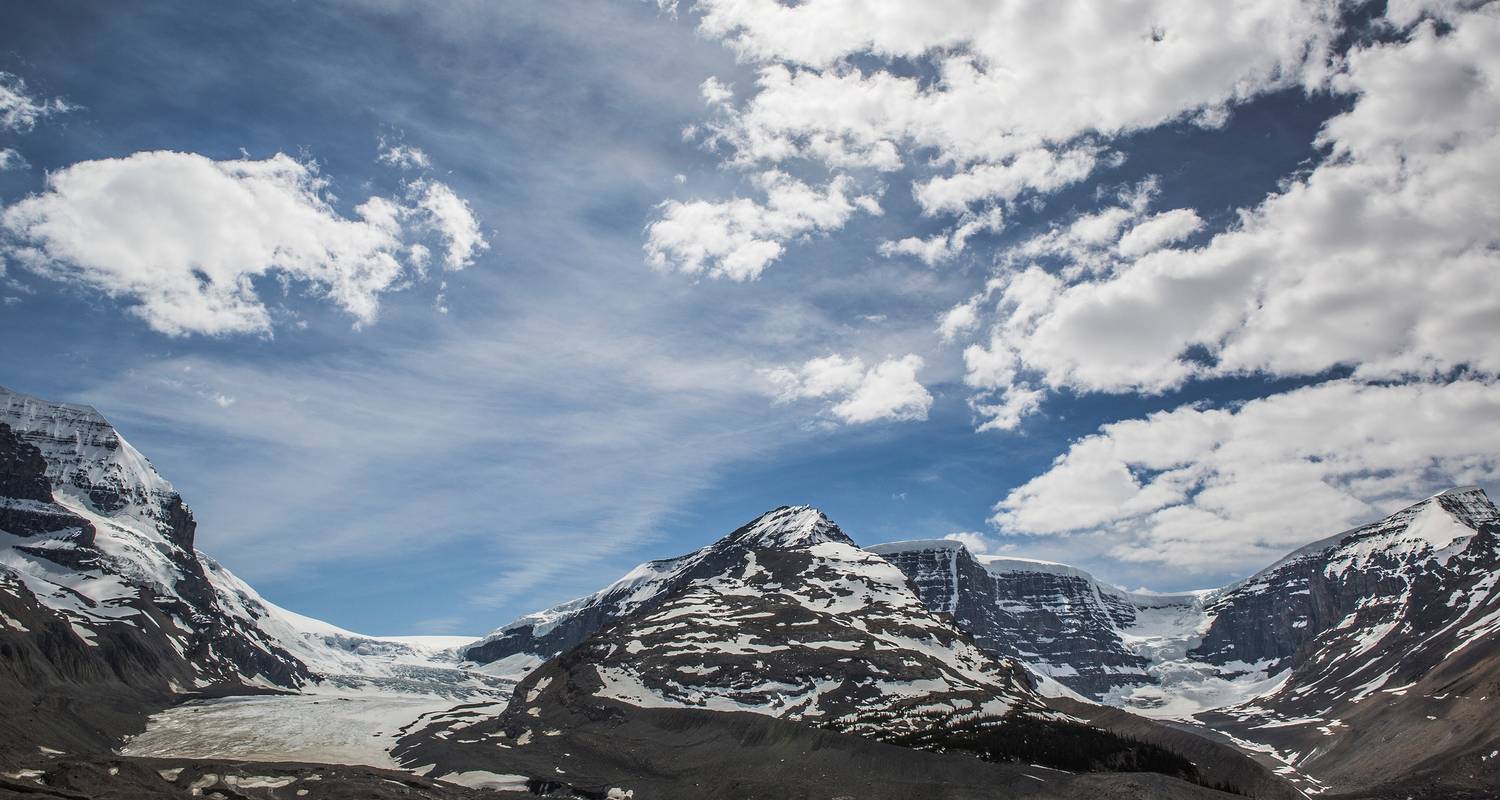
[[438, 313]]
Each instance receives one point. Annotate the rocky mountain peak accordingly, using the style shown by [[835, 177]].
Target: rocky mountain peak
[[788, 526], [92, 468]]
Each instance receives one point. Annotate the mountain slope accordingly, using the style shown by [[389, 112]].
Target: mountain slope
[[108, 613], [103, 599], [785, 620], [1365, 659], [786, 616], [1386, 638]]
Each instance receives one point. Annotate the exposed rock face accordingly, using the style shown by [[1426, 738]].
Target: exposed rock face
[[127, 561], [1057, 620], [1386, 636], [1355, 580], [539, 636]]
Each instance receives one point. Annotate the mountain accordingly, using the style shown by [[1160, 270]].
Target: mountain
[[691, 669], [781, 659], [786, 616], [1366, 659], [1384, 642], [104, 599], [1057, 620], [109, 614]]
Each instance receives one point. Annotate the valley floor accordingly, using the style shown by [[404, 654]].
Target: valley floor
[[338, 729]]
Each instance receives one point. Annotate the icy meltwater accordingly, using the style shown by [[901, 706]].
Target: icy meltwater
[[336, 729]]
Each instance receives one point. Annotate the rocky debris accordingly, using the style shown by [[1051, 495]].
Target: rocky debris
[[58, 776], [602, 748]]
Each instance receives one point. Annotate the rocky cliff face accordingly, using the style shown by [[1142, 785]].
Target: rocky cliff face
[[117, 552], [1057, 620], [1385, 639], [1358, 581], [105, 610]]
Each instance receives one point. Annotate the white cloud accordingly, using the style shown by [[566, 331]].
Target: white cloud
[[958, 320], [973, 541], [184, 237], [889, 391], [1010, 79], [452, 218], [949, 244], [819, 377], [402, 155], [10, 159], [737, 239], [715, 92], [1159, 231], [19, 111], [1040, 169], [1381, 258], [1012, 102], [1218, 489], [1015, 403]]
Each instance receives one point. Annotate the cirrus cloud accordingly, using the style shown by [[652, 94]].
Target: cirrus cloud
[[19, 110]]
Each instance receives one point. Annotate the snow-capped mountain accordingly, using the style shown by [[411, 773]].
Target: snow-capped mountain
[[1360, 658], [1384, 642], [785, 616], [103, 594], [698, 664]]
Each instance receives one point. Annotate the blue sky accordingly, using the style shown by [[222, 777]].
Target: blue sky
[[556, 288]]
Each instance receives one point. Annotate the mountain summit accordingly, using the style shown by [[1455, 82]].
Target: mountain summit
[[536, 637]]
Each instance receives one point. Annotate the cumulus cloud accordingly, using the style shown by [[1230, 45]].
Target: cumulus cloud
[[1039, 169], [1008, 80], [737, 239], [451, 217], [888, 391], [958, 320], [1380, 259], [184, 237], [973, 541], [1219, 488], [1159, 231], [1006, 411], [19, 110], [949, 244]]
